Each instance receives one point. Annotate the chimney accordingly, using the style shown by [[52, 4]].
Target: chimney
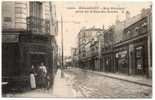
[[103, 27], [93, 27], [127, 15], [117, 19]]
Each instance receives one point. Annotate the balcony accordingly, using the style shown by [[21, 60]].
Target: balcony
[[38, 25]]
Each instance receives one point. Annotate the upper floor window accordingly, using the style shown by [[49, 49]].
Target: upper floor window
[[36, 9], [127, 34], [7, 19], [144, 24], [136, 29]]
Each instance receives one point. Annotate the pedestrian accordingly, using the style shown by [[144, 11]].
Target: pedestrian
[[43, 75], [32, 78], [44, 70], [49, 81]]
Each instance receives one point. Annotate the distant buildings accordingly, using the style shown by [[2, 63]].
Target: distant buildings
[[74, 57], [125, 47], [88, 47], [107, 50], [67, 62]]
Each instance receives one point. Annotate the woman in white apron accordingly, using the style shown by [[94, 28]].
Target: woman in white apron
[[32, 79]]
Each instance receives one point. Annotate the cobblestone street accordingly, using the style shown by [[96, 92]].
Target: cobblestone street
[[84, 84], [91, 85]]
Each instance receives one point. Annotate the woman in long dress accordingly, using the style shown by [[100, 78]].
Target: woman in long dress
[[32, 79]]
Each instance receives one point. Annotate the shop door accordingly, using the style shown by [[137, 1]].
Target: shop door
[[139, 60]]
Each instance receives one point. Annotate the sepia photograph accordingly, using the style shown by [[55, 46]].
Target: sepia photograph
[[76, 49]]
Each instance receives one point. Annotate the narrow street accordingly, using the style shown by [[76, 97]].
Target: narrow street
[[83, 84]]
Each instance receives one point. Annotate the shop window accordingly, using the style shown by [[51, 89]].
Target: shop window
[[123, 54], [122, 58], [117, 55], [139, 58], [139, 64], [139, 51]]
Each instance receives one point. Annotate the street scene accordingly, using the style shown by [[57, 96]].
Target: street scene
[[85, 84], [76, 49]]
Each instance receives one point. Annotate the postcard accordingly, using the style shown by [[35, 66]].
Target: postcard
[[76, 49]]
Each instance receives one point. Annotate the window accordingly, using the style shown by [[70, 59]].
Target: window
[[128, 33], [144, 24], [139, 58], [139, 64], [136, 29], [123, 54], [7, 19], [139, 51], [36, 9]]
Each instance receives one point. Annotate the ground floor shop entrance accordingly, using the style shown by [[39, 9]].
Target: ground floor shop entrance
[[139, 57], [132, 57], [37, 58]]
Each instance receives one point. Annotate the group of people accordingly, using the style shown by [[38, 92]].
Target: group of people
[[39, 77]]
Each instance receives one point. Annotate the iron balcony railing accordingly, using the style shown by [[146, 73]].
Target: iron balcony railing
[[38, 25]]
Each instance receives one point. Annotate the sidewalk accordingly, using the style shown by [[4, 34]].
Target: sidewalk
[[129, 78], [63, 86]]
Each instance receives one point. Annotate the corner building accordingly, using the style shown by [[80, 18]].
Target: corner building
[[28, 38]]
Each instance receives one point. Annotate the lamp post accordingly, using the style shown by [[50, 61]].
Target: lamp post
[[62, 63], [62, 46], [99, 50]]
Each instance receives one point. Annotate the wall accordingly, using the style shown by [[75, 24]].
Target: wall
[[8, 10]]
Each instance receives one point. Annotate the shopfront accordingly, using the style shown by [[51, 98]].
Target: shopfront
[[108, 62], [122, 61], [131, 57], [139, 55], [34, 50]]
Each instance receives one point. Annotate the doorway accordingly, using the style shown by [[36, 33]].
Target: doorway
[[139, 60], [36, 59]]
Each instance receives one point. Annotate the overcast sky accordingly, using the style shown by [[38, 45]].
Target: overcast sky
[[74, 20]]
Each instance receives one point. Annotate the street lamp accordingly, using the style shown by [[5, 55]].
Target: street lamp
[[62, 46], [62, 75], [99, 49]]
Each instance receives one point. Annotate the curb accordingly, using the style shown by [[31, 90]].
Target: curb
[[135, 82]]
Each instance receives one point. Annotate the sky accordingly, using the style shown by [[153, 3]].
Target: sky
[[74, 19]]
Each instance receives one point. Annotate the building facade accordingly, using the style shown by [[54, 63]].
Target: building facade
[[132, 54], [125, 47], [88, 48], [74, 57], [107, 50], [28, 38]]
